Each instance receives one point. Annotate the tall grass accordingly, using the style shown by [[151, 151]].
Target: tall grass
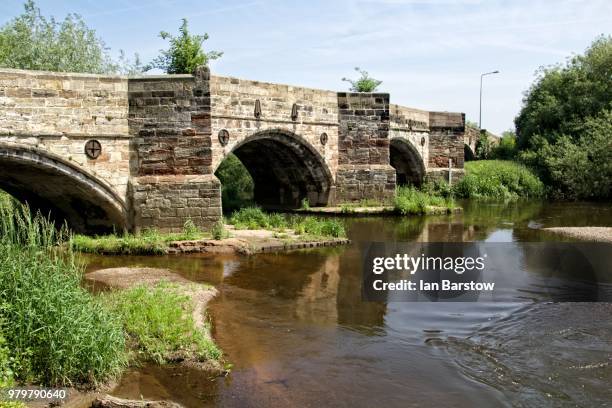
[[410, 200], [255, 218], [159, 320], [148, 242], [498, 179], [56, 332]]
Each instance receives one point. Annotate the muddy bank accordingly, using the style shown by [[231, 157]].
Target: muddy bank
[[596, 234]]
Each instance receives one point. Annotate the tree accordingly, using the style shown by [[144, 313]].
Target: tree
[[185, 53], [31, 41], [577, 169], [365, 83], [506, 149], [564, 96], [483, 146]]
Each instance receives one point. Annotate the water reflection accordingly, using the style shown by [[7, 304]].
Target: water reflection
[[299, 333]]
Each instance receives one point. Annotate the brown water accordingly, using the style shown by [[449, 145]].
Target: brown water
[[298, 333]]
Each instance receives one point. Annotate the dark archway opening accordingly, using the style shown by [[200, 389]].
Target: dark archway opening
[[409, 169], [59, 191], [284, 169], [468, 153]]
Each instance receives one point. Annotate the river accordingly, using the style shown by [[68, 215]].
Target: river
[[298, 333]]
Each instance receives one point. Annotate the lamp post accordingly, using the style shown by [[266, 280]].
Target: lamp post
[[480, 109]]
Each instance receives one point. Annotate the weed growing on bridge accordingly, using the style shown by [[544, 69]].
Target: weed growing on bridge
[[56, 332], [255, 218]]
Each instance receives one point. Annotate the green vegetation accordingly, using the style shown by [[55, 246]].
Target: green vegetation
[[564, 130], [506, 149], [497, 179], [255, 218], [56, 333], [219, 232], [365, 83], [185, 53], [410, 200], [236, 184], [160, 323], [147, 242], [33, 41]]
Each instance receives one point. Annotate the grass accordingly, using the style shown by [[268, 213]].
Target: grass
[[313, 227], [147, 242], [498, 179], [56, 333], [159, 322], [410, 200]]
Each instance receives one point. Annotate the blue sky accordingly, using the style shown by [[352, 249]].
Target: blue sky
[[429, 54]]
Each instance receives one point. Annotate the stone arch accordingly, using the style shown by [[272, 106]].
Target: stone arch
[[285, 169], [407, 161], [60, 188]]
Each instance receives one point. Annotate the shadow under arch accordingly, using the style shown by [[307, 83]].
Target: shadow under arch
[[407, 162], [54, 186], [285, 169]]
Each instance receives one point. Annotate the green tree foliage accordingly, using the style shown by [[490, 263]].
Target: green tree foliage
[[564, 128], [564, 96], [33, 41], [506, 149], [237, 184], [365, 83], [185, 53], [483, 146], [577, 169]]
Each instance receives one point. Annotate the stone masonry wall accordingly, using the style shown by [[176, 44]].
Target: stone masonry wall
[[59, 112], [233, 108], [446, 141], [170, 121], [363, 148]]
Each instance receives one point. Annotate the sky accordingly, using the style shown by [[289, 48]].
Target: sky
[[429, 54]]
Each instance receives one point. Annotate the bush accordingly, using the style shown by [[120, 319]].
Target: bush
[[159, 320], [410, 200], [498, 179], [218, 231], [579, 169], [57, 333]]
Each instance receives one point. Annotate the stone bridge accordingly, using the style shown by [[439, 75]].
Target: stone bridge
[[111, 152]]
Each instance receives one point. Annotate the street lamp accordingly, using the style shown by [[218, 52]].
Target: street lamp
[[480, 109]]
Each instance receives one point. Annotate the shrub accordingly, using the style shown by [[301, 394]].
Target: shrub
[[498, 179], [57, 333], [218, 231], [159, 320], [249, 218]]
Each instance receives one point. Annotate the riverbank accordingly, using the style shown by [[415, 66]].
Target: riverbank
[[596, 234], [248, 231], [374, 210]]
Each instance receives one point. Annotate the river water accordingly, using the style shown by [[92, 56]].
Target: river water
[[298, 333]]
